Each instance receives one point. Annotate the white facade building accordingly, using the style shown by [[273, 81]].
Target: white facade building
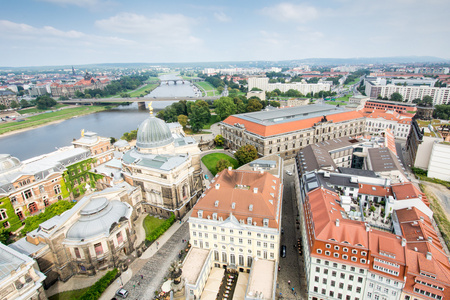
[[304, 88], [439, 165]]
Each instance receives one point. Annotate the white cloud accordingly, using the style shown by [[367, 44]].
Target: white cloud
[[221, 17], [80, 3], [21, 31], [287, 12]]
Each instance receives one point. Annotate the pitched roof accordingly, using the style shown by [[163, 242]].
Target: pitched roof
[[255, 194]]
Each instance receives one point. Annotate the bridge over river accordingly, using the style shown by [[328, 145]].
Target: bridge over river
[[141, 100]]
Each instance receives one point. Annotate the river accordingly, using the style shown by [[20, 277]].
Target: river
[[110, 123]]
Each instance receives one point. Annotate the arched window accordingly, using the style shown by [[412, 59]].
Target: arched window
[[57, 189], [3, 215], [249, 261], [32, 207]]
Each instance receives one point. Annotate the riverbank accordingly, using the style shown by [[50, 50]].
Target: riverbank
[[47, 119]]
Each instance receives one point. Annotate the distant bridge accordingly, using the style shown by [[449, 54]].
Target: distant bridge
[[141, 100], [180, 81]]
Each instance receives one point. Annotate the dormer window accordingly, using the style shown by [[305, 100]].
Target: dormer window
[[216, 204], [250, 208], [233, 205], [266, 222], [200, 213]]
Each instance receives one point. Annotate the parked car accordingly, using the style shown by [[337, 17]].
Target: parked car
[[122, 293], [289, 173], [283, 251]]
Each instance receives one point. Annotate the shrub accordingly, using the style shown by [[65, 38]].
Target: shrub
[[95, 291], [161, 229], [57, 208]]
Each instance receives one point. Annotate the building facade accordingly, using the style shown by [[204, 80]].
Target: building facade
[[304, 88], [286, 131], [7, 97], [398, 107], [239, 218], [166, 165]]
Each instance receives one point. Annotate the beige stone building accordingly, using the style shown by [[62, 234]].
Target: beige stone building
[[97, 233], [20, 277], [166, 165], [7, 97], [286, 131]]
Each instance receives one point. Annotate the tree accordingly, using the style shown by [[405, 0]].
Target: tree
[[4, 236], [2, 107], [254, 104], [14, 104], [199, 115], [396, 97], [223, 164], [112, 140], [255, 89], [183, 120], [219, 140], [24, 103], [45, 102], [246, 154], [225, 107]]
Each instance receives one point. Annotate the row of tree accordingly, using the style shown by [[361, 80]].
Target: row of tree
[[120, 86], [442, 112], [41, 102], [296, 94]]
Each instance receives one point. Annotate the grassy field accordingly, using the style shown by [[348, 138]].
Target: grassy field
[[144, 90], [211, 160], [214, 119], [151, 223], [439, 216], [69, 295], [210, 90], [36, 110], [50, 117]]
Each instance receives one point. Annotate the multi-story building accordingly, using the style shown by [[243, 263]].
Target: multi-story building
[[398, 107], [166, 165], [87, 83], [94, 234], [7, 97], [409, 93], [379, 120], [20, 277], [352, 252], [239, 218], [439, 165], [304, 88], [285, 131]]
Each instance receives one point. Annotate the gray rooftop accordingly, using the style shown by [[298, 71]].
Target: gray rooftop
[[161, 162], [357, 172], [290, 114], [382, 159], [6, 93]]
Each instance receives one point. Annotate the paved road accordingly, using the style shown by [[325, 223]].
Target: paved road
[[291, 265], [157, 267]]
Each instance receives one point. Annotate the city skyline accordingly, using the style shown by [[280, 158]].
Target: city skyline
[[66, 32]]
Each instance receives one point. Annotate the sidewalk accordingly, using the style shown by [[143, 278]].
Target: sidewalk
[[141, 262]]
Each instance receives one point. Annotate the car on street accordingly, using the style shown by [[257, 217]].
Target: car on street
[[289, 173], [283, 251], [122, 293]]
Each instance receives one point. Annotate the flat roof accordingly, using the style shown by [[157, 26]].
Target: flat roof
[[289, 114], [193, 264], [261, 280]]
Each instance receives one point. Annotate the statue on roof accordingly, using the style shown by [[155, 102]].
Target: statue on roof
[[150, 108]]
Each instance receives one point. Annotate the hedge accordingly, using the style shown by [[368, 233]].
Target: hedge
[[422, 175], [95, 291], [161, 229]]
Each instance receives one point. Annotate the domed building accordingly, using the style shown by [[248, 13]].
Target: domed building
[[166, 165]]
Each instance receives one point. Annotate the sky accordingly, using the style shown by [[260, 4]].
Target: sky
[[72, 32]]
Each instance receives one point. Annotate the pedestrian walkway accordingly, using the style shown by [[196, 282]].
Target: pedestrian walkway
[[153, 264]]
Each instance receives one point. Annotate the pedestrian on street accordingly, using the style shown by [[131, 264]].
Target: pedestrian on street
[[142, 276], [292, 289], [139, 283], [134, 286], [289, 282]]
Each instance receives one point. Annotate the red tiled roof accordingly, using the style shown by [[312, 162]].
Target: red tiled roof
[[238, 187], [374, 190], [269, 130]]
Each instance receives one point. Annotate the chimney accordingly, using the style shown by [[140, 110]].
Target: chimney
[[255, 190], [230, 168], [429, 255], [403, 242], [430, 239], [337, 222], [367, 227], [217, 186]]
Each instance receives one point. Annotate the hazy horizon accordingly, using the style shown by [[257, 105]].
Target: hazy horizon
[[80, 32]]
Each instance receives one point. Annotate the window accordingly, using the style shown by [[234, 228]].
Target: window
[[354, 251], [240, 241], [345, 249], [98, 249], [325, 271], [341, 285], [32, 207], [324, 281], [57, 189], [354, 258], [224, 257], [344, 256], [258, 243], [336, 247], [119, 238], [333, 273], [46, 203], [27, 194], [3, 214], [319, 251], [249, 261], [328, 246], [317, 269], [350, 287], [336, 254], [77, 252], [327, 253], [333, 283], [215, 236], [249, 242], [342, 275]]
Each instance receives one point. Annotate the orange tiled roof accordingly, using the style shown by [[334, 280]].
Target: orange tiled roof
[[269, 130], [374, 190], [238, 187], [407, 190]]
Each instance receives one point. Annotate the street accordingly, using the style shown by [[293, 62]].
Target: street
[[292, 265]]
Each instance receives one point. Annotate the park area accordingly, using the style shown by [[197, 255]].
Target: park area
[[210, 161], [207, 88], [341, 100]]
